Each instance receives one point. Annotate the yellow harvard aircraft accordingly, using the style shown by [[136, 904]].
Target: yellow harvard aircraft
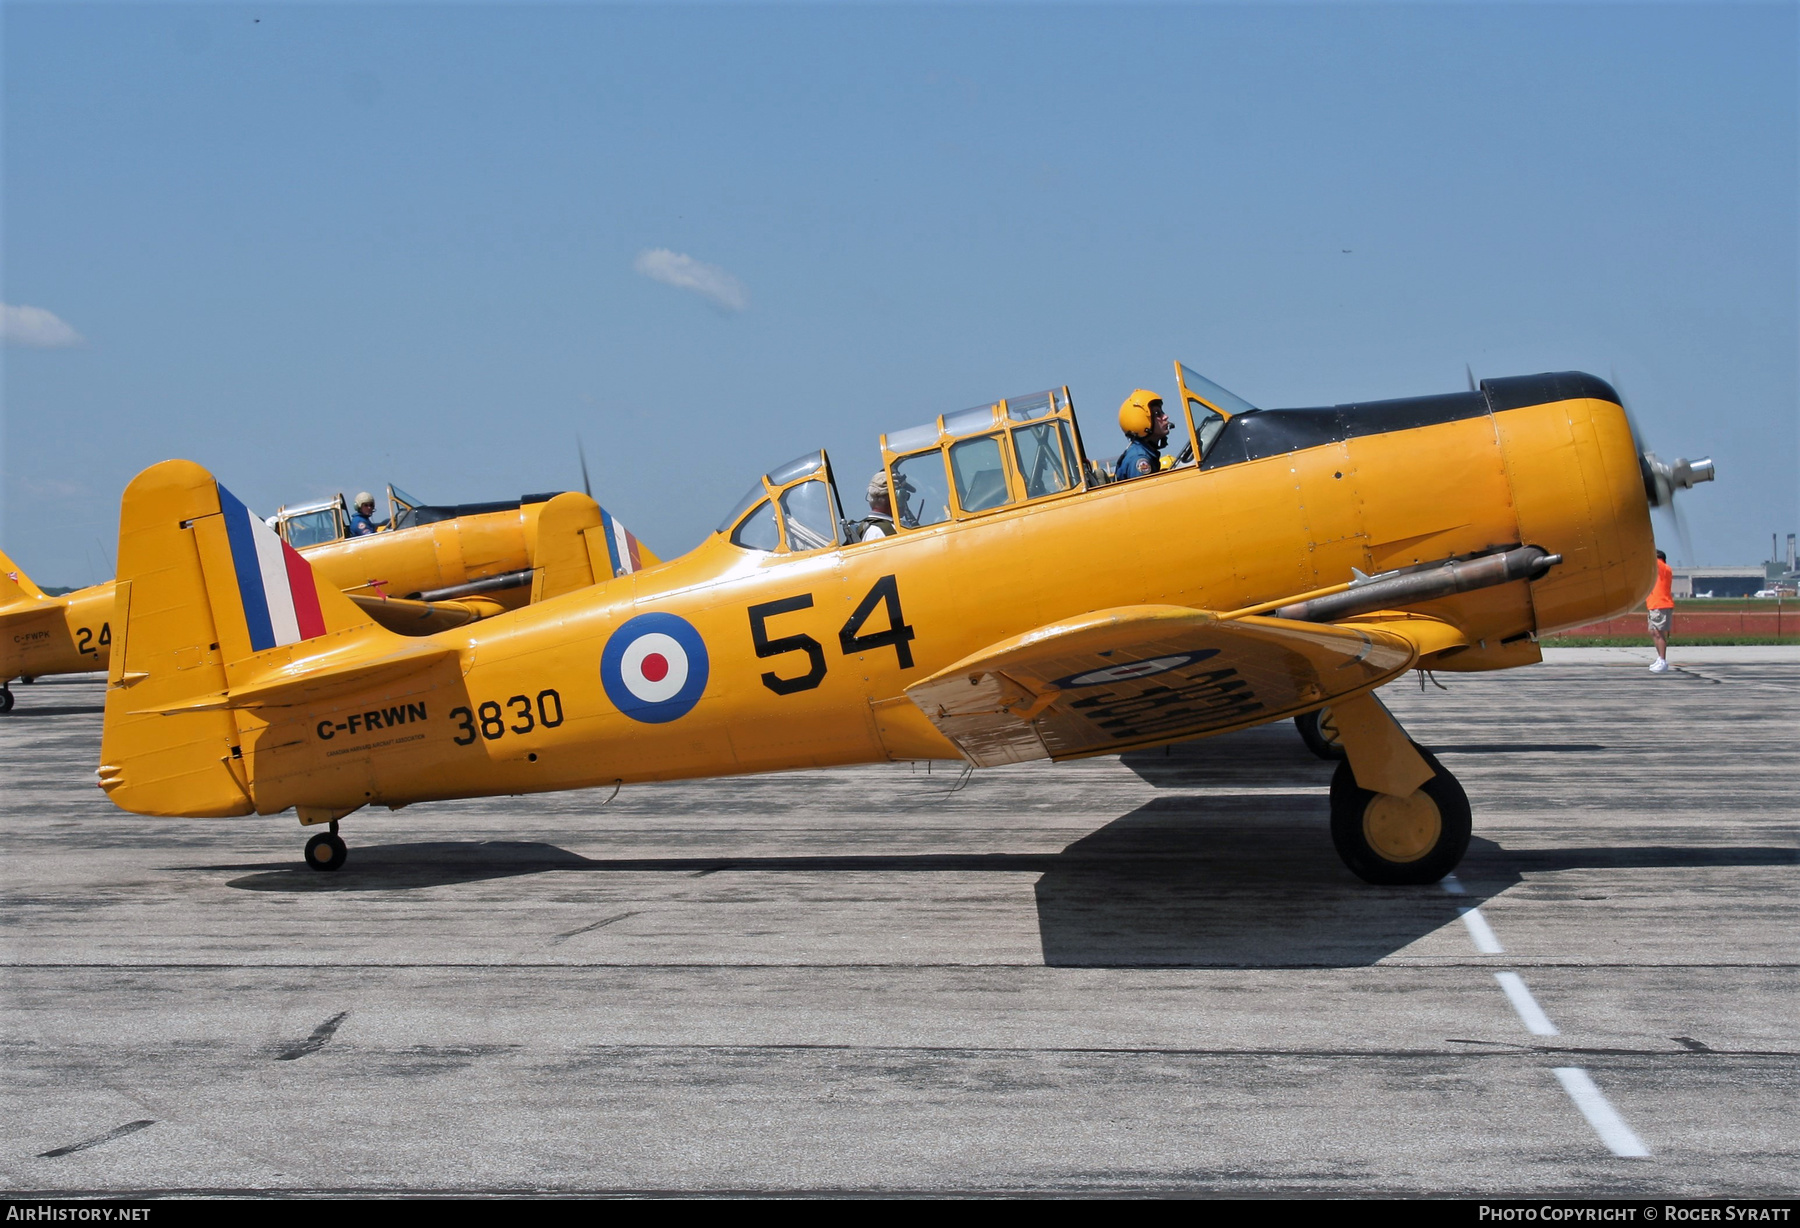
[[1292, 559], [428, 569]]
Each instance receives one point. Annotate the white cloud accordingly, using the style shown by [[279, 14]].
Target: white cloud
[[35, 328], [709, 281]]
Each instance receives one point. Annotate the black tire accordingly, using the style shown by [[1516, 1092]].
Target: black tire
[[1418, 847], [326, 851], [6, 700], [1319, 734]]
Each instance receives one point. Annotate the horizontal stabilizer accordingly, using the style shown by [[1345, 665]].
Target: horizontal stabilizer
[[407, 617], [27, 611], [1145, 675], [343, 665]]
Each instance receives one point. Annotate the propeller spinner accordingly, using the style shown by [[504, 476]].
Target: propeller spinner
[[1662, 479]]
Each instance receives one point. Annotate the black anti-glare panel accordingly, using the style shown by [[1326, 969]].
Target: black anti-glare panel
[[1518, 391], [1275, 432], [431, 514]]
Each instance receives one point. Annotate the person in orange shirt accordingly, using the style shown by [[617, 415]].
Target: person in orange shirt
[[1661, 605]]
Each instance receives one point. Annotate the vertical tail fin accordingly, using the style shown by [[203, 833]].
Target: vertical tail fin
[[580, 543], [16, 587], [625, 552], [208, 598]]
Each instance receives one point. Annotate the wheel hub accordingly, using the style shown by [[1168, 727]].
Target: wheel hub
[[1402, 829]]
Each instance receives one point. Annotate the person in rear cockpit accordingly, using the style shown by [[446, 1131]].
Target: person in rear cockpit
[[879, 523], [1142, 419]]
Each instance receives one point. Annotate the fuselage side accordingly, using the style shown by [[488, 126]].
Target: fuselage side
[[524, 708]]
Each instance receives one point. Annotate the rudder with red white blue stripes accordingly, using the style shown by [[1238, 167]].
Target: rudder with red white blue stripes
[[279, 593], [622, 546]]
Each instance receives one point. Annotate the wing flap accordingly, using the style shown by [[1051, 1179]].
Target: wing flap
[[1141, 675]]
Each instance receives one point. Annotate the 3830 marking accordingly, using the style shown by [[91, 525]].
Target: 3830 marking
[[493, 719]]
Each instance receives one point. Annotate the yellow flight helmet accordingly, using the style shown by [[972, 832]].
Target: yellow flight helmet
[[1136, 414]]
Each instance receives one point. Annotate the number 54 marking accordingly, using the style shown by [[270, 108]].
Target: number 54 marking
[[898, 635]]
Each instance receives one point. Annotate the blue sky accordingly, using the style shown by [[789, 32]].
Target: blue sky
[[322, 247]]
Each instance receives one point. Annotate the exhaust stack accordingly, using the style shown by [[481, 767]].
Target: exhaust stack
[[1426, 584]]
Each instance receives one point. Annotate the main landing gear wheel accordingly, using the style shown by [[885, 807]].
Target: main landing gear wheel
[[6, 699], [326, 851], [1319, 733], [1397, 841]]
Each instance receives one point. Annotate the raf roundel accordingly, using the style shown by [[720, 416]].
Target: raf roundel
[[654, 668]]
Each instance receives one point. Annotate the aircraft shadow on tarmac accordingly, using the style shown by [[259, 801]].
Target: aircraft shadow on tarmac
[[1179, 882], [1249, 758], [1248, 881], [22, 712], [1214, 879], [1255, 757]]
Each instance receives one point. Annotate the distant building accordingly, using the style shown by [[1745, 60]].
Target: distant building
[[1718, 581], [1776, 575]]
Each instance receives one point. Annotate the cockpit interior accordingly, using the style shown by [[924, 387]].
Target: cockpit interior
[[966, 464]]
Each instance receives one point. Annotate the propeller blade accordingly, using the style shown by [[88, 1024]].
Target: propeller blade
[[587, 487], [1631, 421], [1470, 372]]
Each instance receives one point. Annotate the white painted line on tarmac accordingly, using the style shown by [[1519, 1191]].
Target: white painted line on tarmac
[[1530, 1013], [1481, 932], [1601, 1115], [1452, 884]]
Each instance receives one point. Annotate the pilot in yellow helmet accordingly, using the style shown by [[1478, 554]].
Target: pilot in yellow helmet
[[1142, 419]]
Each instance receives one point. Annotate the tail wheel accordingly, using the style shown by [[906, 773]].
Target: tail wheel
[[326, 851], [1319, 733], [1396, 841]]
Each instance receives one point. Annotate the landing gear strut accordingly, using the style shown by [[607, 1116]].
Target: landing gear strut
[[1396, 841], [327, 850], [1319, 732]]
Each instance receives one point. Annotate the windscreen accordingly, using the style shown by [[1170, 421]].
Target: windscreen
[[759, 531], [400, 507], [812, 523], [1228, 401]]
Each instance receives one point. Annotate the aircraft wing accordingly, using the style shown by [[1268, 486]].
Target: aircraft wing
[[1136, 675]]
